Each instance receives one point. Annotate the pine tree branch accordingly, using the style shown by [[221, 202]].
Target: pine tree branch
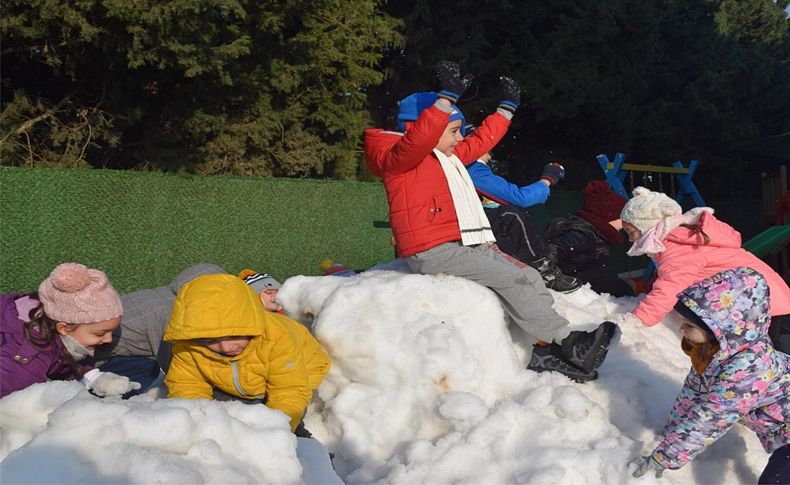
[[44, 48], [49, 113]]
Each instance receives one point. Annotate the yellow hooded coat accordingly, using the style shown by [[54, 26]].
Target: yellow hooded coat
[[282, 363]]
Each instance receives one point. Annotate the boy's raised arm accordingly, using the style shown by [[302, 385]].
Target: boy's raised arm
[[484, 139], [500, 190], [411, 148], [425, 131], [493, 127]]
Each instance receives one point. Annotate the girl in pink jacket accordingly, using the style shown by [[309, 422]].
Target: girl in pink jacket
[[687, 248]]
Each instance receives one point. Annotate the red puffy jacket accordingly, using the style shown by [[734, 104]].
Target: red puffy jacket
[[422, 214]]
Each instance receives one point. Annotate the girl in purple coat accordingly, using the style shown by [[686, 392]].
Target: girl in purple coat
[[736, 375], [45, 335]]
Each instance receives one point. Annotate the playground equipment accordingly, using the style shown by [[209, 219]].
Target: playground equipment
[[680, 185], [680, 182], [773, 246], [776, 196]]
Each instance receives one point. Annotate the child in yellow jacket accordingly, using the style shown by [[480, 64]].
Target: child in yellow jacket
[[223, 339], [316, 361]]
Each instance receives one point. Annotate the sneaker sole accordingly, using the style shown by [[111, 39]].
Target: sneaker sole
[[590, 376], [603, 337], [550, 286], [569, 291]]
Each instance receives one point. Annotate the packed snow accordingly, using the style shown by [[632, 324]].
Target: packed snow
[[428, 385]]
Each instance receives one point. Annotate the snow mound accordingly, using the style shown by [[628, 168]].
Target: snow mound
[[428, 385]]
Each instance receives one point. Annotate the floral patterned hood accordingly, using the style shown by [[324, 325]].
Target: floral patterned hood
[[735, 306]]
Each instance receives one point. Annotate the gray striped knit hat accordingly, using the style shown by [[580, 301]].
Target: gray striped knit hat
[[260, 281]]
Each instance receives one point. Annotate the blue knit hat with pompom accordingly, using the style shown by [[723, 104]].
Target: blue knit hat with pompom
[[410, 107]]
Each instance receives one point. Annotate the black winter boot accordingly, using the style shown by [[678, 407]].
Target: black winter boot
[[588, 349], [549, 358], [554, 278]]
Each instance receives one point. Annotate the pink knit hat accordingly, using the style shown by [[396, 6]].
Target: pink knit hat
[[73, 293]]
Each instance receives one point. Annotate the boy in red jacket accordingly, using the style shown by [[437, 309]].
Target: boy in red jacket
[[440, 227]]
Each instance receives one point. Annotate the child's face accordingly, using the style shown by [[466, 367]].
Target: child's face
[[268, 299], [228, 346], [617, 224], [450, 138], [633, 233], [693, 333], [89, 335]]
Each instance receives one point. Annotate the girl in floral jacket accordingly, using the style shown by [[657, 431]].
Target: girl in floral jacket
[[736, 375]]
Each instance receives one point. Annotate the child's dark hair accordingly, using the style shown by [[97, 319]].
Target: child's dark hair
[[41, 330], [710, 346], [698, 230]]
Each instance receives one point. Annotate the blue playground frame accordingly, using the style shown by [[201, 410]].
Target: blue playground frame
[[617, 170]]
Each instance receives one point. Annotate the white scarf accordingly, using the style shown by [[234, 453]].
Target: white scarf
[[472, 220]]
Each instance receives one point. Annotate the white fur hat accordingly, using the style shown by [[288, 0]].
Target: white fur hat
[[647, 208]]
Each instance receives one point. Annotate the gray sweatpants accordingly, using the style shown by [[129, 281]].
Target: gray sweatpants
[[521, 289]]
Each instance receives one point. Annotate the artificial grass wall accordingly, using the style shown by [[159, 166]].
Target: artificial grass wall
[[142, 228]]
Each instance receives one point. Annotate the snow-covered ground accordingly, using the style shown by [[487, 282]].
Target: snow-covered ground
[[428, 385]]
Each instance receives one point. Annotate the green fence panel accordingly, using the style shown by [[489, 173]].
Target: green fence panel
[[142, 228]]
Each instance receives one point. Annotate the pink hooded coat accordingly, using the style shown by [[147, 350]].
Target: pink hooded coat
[[687, 260]]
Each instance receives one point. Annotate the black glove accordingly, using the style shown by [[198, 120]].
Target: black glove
[[450, 80], [511, 94], [553, 172]]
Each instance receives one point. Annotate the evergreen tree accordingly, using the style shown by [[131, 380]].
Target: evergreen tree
[[287, 88], [213, 86], [657, 79]]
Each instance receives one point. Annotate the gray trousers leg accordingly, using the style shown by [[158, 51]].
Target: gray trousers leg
[[524, 296]]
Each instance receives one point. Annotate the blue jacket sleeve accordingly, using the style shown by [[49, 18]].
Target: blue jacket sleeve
[[496, 188]]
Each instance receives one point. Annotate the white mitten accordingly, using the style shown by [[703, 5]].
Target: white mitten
[[108, 384], [627, 319]]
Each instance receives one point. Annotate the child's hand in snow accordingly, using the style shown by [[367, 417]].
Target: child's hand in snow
[[108, 384], [627, 318], [644, 464]]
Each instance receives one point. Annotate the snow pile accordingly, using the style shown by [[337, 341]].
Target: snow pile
[[70, 436], [427, 386], [401, 351]]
